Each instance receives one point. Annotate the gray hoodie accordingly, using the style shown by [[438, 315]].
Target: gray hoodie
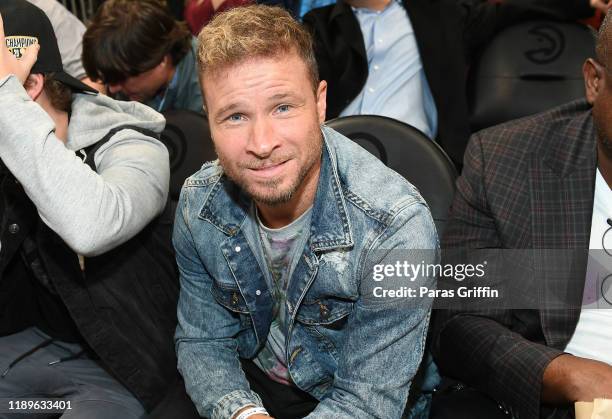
[[93, 212]]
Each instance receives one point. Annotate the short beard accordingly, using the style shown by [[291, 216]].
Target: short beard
[[275, 198]]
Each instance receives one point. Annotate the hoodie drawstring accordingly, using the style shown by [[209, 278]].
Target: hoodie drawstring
[[24, 355], [41, 345], [68, 358]]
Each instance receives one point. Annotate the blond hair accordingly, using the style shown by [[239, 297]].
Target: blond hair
[[256, 31]]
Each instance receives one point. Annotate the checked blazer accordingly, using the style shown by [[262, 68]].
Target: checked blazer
[[526, 184]]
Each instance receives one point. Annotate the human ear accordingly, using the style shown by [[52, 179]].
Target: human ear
[[34, 85], [593, 73]]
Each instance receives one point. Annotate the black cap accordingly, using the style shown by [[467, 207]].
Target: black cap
[[24, 25]]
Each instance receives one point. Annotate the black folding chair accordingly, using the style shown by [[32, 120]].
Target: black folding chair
[[410, 153], [528, 68], [188, 140]]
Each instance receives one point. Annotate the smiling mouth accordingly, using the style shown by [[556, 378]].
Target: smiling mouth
[[269, 170]]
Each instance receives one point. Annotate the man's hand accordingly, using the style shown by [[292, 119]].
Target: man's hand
[[601, 5], [569, 379], [9, 64]]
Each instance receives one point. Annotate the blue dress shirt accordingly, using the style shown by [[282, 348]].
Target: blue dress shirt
[[396, 86]]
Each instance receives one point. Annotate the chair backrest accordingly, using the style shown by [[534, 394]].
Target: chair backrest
[[528, 68], [410, 153], [187, 137]]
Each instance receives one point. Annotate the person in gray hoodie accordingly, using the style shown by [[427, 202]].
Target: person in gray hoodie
[[88, 283]]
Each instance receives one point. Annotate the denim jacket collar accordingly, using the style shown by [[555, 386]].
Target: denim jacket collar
[[227, 206]]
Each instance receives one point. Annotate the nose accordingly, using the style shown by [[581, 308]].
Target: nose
[[262, 139]]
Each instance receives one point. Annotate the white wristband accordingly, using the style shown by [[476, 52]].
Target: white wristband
[[252, 411]]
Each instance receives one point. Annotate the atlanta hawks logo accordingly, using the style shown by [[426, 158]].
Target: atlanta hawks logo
[[18, 44]]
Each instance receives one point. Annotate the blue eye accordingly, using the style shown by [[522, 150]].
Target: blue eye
[[283, 108], [235, 117]]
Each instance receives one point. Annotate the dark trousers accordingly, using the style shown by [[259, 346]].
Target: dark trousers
[[91, 391], [281, 401], [455, 401]]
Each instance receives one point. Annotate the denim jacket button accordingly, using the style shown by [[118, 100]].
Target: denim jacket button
[[234, 298], [258, 292], [237, 248], [14, 228]]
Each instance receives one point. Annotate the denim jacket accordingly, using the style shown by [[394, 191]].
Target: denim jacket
[[355, 356]]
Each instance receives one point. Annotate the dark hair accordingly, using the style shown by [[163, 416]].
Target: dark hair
[[128, 37], [604, 38], [58, 93]]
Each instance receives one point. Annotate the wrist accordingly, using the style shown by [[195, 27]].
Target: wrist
[[558, 381], [251, 412], [569, 379]]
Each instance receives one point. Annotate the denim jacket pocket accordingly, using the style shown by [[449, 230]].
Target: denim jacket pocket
[[326, 312], [230, 298]]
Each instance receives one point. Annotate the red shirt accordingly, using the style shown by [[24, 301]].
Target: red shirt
[[198, 13]]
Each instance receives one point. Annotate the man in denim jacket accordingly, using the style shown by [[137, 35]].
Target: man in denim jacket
[[277, 242]]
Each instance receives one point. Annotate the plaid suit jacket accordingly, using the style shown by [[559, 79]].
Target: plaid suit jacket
[[526, 184]]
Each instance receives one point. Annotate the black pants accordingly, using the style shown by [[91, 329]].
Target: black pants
[[281, 401], [460, 402]]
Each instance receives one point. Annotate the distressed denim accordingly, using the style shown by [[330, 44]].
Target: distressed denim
[[355, 356]]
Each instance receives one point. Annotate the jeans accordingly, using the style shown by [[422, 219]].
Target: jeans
[[92, 392]]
